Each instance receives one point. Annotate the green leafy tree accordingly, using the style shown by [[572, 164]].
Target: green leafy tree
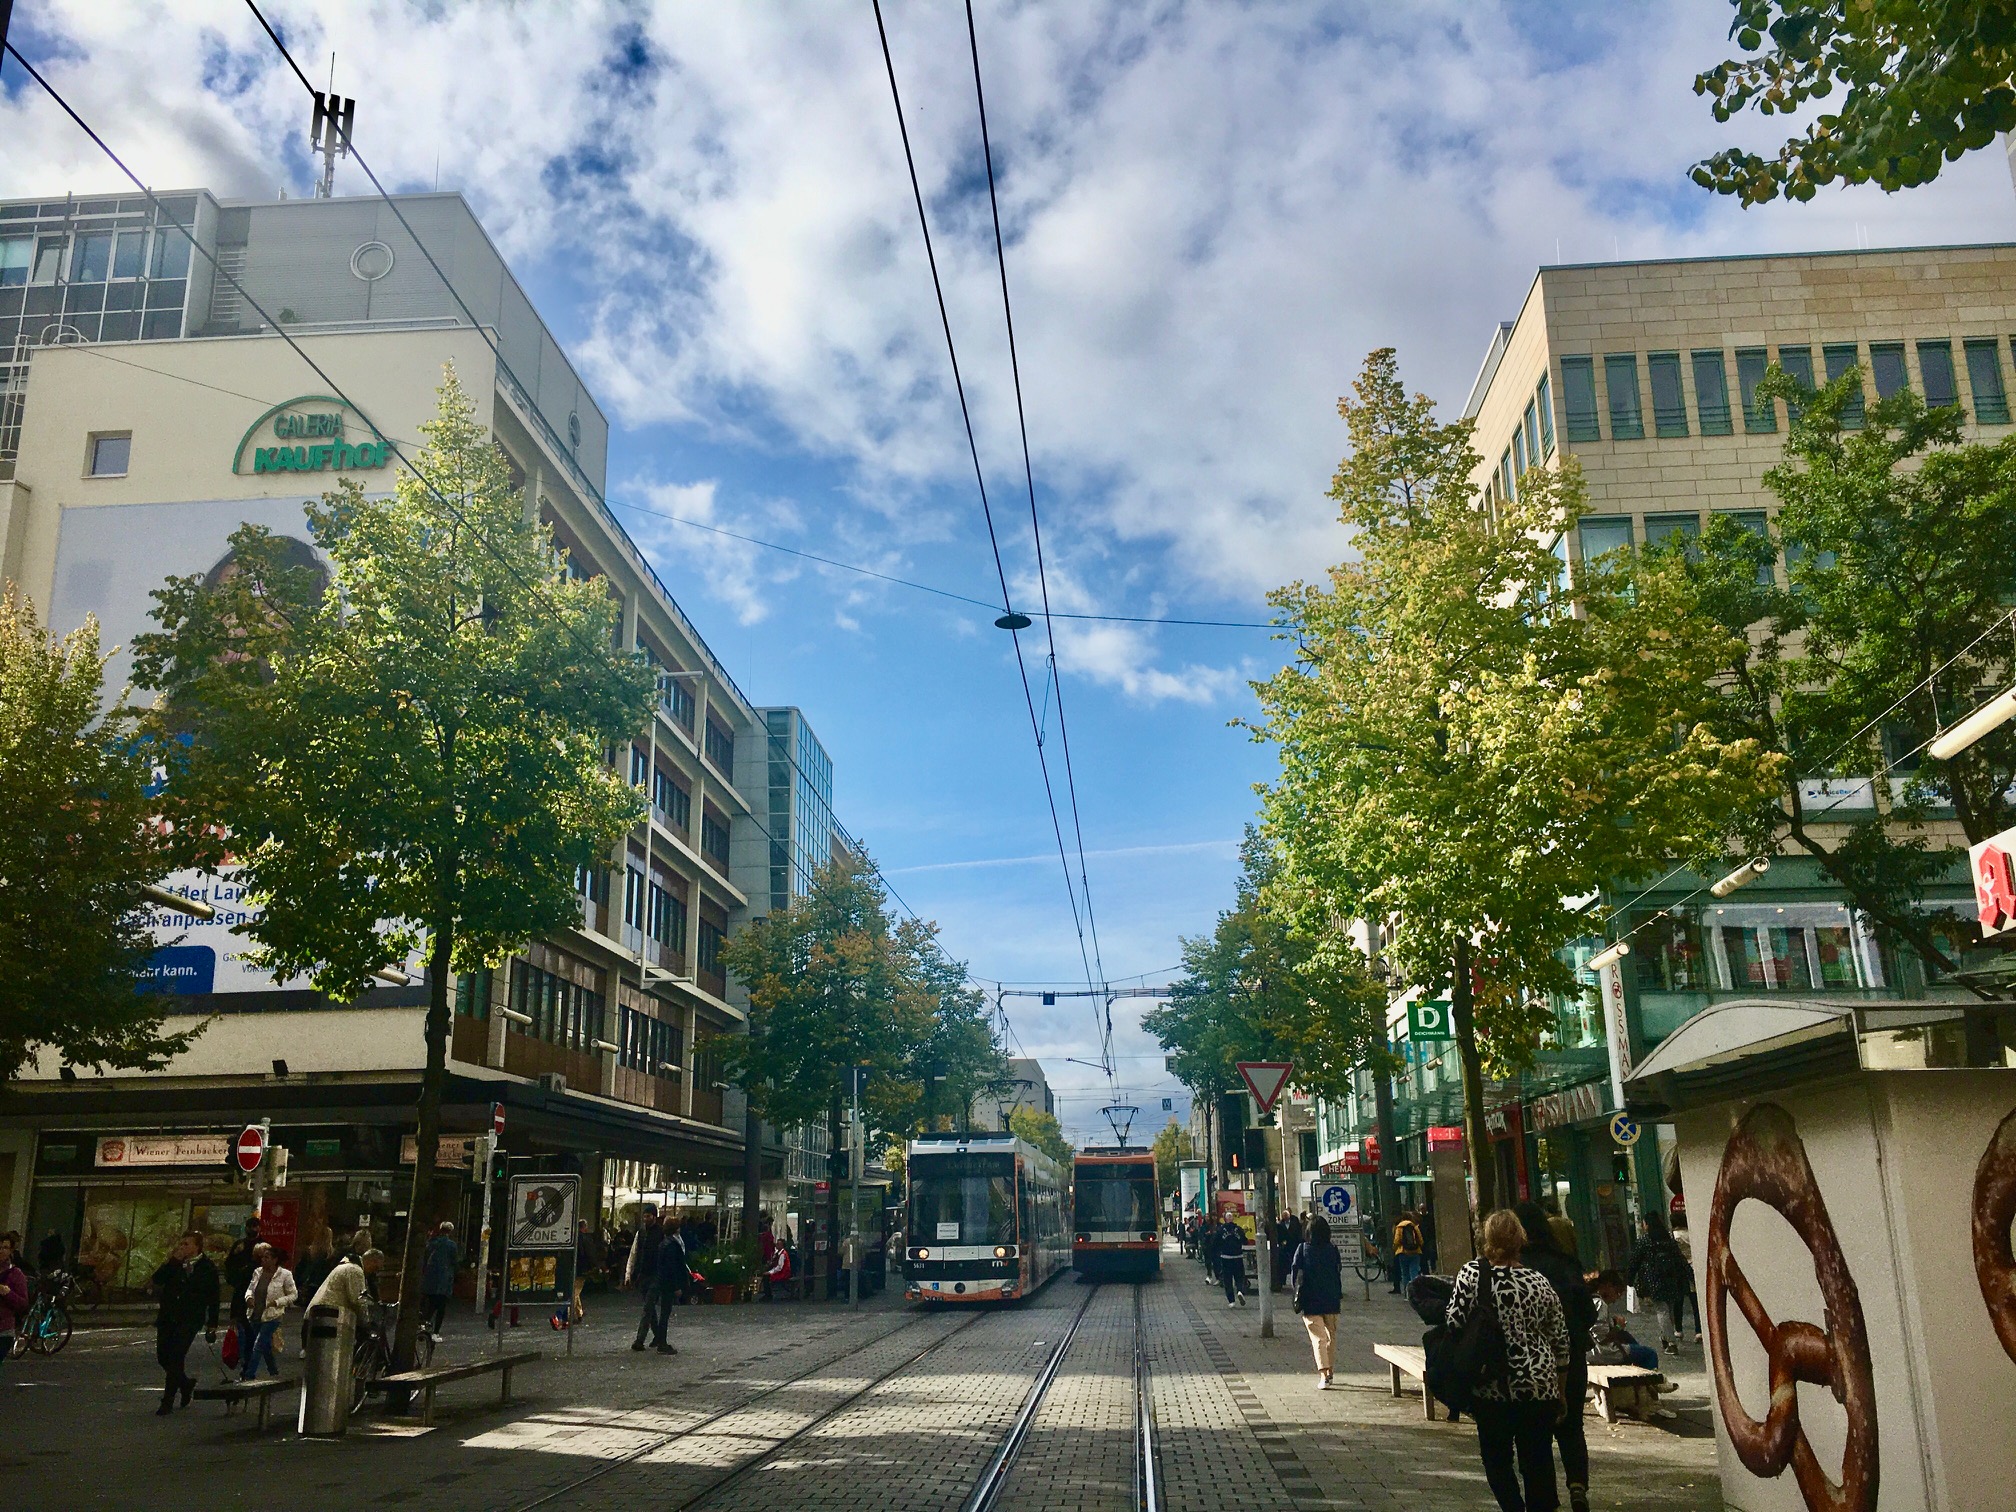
[[408, 757], [1173, 1146], [1912, 85], [1468, 742], [1034, 1126], [78, 843], [1888, 629]]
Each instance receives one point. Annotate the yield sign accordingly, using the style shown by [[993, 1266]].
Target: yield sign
[[250, 1148], [1265, 1079]]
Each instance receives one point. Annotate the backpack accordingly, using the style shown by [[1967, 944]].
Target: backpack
[[1462, 1361], [1407, 1237]]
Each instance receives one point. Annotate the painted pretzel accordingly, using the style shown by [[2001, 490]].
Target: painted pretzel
[[1994, 1211], [1765, 1161]]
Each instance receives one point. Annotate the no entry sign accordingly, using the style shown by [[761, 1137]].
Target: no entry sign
[[250, 1148]]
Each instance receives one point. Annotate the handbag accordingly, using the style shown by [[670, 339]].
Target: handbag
[[1461, 1361]]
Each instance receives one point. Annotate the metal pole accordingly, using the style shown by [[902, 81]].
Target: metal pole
[[488, 1152], [259, 1171], [1265, 1235], [854, 1193]]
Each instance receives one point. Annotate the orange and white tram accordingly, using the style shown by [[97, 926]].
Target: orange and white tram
[[984, 1218], [1116, 1223]]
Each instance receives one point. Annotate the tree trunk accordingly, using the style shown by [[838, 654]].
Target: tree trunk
[[1389, 1150], [833, 1184], [752, 1172], [1476, 1138], [426, 1142]]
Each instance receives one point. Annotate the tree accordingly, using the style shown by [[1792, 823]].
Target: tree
[[1256, 990], [78, 842], [1888, 629], [411, 756], [1173, 1146], [1921, 83], [1034, 1126], [1468, 742]]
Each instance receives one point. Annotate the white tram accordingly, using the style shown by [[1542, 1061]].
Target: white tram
[[984, 1220]]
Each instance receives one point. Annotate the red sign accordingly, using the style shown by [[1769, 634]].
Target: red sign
[[280, 1225], [497, 1118], [1363, 1157], [250, 1148], [1445, 1137], [1265, 1079], [1995, 882]]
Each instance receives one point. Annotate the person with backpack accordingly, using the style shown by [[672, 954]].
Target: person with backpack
[[1231, 1253], [1564, 1273], [1507, 1338], [1407, 1249], [1316, 1291], [1659, 1273]]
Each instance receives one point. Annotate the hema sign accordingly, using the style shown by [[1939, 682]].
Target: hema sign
[[310, 434]]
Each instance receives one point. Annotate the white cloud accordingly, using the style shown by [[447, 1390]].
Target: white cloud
[[735, 571]]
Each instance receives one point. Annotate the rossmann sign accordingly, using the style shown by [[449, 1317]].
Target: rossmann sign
[[1994, 866], [311, 434]]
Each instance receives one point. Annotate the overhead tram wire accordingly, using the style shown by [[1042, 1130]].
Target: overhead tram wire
[[980, 479], [1036, 534]]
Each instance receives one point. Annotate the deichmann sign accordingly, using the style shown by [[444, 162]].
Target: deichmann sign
[[310, 434]]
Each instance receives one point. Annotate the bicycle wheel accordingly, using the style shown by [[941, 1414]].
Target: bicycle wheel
[[1371, 1268], [52, 1330], [366, 1365], [423, 1349], [88, 1293]]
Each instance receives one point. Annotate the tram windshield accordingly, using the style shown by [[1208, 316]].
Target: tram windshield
[[1114, 1197], [962, 1199]]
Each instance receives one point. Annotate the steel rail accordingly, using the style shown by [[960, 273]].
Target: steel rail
[[1147, 1487], [987, 1489]]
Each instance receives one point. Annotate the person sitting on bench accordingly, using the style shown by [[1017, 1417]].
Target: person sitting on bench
[[1610, 1342]]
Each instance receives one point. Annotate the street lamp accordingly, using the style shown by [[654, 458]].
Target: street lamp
[[1743, 876], [1611, 956], [1954, 739]]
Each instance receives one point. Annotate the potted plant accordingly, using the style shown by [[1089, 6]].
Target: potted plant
[[726, 1269]]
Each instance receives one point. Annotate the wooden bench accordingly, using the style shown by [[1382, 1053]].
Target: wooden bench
[[1408, 1360], [234, 1394], [424, 1381], [1628, 1389]]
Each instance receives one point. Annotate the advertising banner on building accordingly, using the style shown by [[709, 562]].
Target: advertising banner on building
[[197, 955], [539, 1238], [127, 1151]]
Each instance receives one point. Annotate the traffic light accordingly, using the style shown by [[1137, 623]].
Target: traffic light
[[1231, 1130], [498, 1161], [479, 1163], [1256, 1150], [836, 1164]]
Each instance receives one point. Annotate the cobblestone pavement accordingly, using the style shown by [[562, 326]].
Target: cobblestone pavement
[[806, 1405]]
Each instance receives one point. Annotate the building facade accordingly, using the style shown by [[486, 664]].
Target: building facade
[[1027, 1087], [147, 412], [1647, 374]]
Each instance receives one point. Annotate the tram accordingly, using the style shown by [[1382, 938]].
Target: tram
[[984, 1218], [1116, 1213]]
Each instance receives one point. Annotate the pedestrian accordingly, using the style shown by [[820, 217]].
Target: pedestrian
[[437, 1277], [1689, 1297], [1408, 1247], [1316, 1291], [186, 1283], [590, 1255], [672, 1280], [1562, 1228], [1515, 1414], [1287, 1239], [1578, 1307], [271, 1291], [351, 1286], [13, 1298], [1610, 1342], [1659, 1272], [49, 1256], [766, 1250], [1232, 1263], [238, 1268], [311, 1269], [642, 1272]]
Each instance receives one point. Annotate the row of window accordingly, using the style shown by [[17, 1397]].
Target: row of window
[[657, 911], [648, 1044], [561, 1012], [721, 748], [714, 839], [94, 257], [668, 794], [1532, 441]]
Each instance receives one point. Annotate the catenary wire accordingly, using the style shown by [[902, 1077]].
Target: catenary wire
[[980, 479], [1036, 535]]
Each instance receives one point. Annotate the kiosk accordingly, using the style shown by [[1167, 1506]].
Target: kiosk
[[1850, 1172]]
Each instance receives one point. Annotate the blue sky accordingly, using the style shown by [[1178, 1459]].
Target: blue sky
[[1213, 212]]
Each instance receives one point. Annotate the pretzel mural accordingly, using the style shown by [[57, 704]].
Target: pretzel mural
[[1994, 1211], [1765, 1162]]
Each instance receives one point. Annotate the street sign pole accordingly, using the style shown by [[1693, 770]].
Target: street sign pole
[[265, 1128], [1266, 1250], [488, 1151], [854, 1142]]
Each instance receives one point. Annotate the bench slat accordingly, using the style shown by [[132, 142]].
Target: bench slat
[[435, 1375], [229, 1390]]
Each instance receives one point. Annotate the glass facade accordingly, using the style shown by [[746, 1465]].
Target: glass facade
[[799, 779]]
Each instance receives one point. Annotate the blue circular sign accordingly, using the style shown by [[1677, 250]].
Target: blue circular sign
[[1335, 1200], [1624, 1129]]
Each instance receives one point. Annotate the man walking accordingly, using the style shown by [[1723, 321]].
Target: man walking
[[239, 1263], [186, 1283], [642, 1271], [1232, 1263], [673, 1277], [1407, 1247], [437, 1277]]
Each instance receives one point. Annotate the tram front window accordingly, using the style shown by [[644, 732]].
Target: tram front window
[[1114, 1203], [962, 1200]]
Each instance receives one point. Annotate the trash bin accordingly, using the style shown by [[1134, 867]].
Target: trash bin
[[326, 1372]]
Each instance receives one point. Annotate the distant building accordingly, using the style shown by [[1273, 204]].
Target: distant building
[[1028, 1088]]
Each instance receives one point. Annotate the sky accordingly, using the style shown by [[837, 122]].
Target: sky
[[1211, 213]]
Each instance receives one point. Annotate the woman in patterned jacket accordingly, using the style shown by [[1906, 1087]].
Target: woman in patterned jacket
[[1515, 1416]]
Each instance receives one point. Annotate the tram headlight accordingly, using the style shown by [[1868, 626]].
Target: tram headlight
[[923, 1254], [1000, 1252]]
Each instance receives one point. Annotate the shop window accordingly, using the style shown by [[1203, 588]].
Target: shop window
[[1668, 953]]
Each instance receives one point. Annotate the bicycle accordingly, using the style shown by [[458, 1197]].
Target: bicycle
[[1371, 1264], [46, 1328], [371, 1360]]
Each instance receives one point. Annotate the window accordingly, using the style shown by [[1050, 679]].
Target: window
[[1519, 452], [1711, 393], [15, 254], [1759, 414], [1531, 431], [1839, 358], [720, 748], [668, 918], [711, 937], [679, 704], [48, 259], [472, 994], [1798, 363], [1935, 371], [592, 882], [673, 801], [1886, 367], [1669, 400], [1602, 535], [714, 838], [1578, 388], [1984, 377], [1543, 400], [562, 1012], [1620, 376], [1668, 955], [633, 897], [131, 256], [91, 258], [640, 766], [171, 255], [1508, 480], [110, 454], [648, 1044], [1671, 529], [1758, 524]]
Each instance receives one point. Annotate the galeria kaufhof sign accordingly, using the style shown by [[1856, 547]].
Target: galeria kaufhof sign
[[311, 434]]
